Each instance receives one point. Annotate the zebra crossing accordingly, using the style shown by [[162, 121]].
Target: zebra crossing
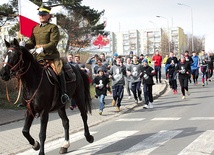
[[202, 144]]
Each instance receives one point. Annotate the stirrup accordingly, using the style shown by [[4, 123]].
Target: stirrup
[[65, 98]]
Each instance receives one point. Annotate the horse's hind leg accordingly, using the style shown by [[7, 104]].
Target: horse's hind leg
[[65, 123], [84, 116], [25, 131]]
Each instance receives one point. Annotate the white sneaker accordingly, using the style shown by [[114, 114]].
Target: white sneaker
[[145, 106], [188, 93], [150, 105], [129, 97]]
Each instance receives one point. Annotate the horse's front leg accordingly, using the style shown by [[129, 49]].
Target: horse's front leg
[[65, 123], [42, 134], [26, 131]]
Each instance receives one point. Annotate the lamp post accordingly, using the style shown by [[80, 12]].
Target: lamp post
[[168, 30], [191, 23]]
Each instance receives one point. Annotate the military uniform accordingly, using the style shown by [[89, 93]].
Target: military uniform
[[47, 36]]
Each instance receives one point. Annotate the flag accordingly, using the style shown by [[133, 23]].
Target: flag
[[28, 17]]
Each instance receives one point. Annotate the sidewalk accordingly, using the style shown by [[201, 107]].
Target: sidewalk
[[11, 122]]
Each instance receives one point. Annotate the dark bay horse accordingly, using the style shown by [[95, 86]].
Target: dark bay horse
[[41, 96]]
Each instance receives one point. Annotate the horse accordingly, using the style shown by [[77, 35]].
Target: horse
[[40, 96]]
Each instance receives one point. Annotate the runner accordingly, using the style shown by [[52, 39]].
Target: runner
[[203, 60], [188, 59], [195, 67], [128, 82], [183, 75], [134, 71], [117, 74], [147, 74], [101, 84], [171, 63]]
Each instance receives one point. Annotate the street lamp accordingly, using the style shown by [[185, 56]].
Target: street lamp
[[153, 35], [168, 30], [191, 22]]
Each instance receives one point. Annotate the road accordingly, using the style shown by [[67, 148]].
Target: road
[[173, 127]]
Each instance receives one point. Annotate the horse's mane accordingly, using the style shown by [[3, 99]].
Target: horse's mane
[[28, 56], [26, 53]]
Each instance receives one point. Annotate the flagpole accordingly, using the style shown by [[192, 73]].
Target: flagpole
[[19, 11]]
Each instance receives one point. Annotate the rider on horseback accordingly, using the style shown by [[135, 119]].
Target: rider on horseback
[[44, 39]]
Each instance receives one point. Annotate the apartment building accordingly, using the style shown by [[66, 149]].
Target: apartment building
[[147, 41]]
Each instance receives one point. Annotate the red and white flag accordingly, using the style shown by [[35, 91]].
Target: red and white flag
[[28, 17]]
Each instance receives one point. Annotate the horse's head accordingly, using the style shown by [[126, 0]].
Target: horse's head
[[12, 60]]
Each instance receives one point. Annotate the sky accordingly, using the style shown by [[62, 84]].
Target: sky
[[124, 15]]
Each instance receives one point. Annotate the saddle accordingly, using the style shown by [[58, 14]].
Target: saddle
[[52, 74]]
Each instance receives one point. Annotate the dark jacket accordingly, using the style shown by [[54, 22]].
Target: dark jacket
[[46, 36], [171, 63], [182, 69], [147, 74], [102, 81]]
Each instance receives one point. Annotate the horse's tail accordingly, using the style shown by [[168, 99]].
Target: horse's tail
[[88, 99]]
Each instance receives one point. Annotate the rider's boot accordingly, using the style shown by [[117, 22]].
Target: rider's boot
[[64, 97]]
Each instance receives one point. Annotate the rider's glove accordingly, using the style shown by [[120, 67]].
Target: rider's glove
[[22, 43], [39, 50]]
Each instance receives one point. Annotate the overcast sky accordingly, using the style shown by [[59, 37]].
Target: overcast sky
[[123, 15]]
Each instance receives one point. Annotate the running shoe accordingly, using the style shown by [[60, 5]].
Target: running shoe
[[150, 105], [145, 106], [136, 101], [113, 103], [188, 93], [100, 113], [129, 97], [118, 109], [173, 91], [203, 84], [183, 97], [72, 107]]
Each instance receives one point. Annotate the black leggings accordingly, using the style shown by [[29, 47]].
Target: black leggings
[[184, 85]]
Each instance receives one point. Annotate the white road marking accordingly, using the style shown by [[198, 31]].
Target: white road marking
[[201, 118], [151, 143], [166, 119], [203, 145], [100, 144], [130, 119], [57, 143]]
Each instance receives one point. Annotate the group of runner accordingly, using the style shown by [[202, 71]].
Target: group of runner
[[133, 71], [187, 69]]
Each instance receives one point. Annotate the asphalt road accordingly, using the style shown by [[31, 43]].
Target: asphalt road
[[173, 127]]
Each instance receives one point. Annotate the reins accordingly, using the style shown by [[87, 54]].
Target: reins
[[34, 94], [17, 71]]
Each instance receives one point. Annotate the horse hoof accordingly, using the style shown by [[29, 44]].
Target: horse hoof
[[90, 139], [36, 146], [63, 150]]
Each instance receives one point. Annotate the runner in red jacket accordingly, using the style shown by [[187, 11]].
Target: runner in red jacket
[[157, 59]]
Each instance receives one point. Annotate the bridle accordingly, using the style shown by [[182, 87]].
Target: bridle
[[17, 70]]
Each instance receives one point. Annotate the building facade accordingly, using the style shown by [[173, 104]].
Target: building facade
[[147, 41]]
